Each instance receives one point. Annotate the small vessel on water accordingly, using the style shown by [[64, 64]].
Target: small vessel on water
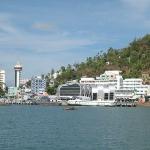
[[85, 101], [69, 108], [79, 102]]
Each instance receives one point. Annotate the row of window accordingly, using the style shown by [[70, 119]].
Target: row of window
[[131, 87], [108, 96]]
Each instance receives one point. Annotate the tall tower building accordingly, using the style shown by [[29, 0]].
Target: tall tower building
[[2, 79], [18, 69]]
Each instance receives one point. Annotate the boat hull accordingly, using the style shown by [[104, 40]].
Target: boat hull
[[90, 103]]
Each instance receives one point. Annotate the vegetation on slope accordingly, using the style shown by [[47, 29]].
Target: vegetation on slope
[[132, 61]]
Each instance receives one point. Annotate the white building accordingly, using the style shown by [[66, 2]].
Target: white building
[[103, 92], [12, 91], [104, 86], [108, 78], [23, 81], [136, 85], [2, 79], [18, 69], [38, 85], [111, 80]]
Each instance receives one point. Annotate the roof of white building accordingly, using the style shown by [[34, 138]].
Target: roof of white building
[[87, 79], [133, 79], [114, 72], [2, 71]]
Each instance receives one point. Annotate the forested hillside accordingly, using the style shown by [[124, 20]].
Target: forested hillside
[[132, 61]]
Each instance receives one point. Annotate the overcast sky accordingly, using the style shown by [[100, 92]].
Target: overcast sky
[[46, 34]]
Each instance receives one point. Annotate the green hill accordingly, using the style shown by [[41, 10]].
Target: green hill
[[132, 61]]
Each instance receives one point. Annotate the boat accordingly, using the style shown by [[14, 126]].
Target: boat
[[69, 108], [90, 103], [83, 102]]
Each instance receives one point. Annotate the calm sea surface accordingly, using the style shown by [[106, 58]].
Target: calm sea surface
[[87, 128]]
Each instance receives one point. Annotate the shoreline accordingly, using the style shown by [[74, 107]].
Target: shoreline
[[146, 104]]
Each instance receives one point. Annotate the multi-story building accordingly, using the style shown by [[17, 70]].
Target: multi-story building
[[108, 78], [2, 79], [38, 85], [12, 91], [113, 80], [109, 85], [136, 85], [18, 69]]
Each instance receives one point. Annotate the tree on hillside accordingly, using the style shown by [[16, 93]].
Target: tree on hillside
[[28, 84], [132, 60], [2, 93]]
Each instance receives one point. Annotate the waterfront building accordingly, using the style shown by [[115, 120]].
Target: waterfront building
[[107, 85], [12, 91], [125, 94], [38, 85], [69, 89], [73, 89], [136, 84], [126, 88], [103, 92], [104, 86], [18, 69], [2, 79], [108, 78]]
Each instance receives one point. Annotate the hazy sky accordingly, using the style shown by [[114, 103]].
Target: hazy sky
[[46, 34]]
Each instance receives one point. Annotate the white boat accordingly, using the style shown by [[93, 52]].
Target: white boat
[[83, 102]]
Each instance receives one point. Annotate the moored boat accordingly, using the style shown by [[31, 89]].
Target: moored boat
[[99, 102]]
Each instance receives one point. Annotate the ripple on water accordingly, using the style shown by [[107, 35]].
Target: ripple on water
[[87, 128]]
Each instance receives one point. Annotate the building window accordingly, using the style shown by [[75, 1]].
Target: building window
[[111, 96], [94, 96], [70, 90], [105, 96]]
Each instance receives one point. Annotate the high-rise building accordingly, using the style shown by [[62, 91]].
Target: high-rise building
[[18, 69], [2, 79], [38, 85]]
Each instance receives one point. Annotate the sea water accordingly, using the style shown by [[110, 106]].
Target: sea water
[[86, 128]]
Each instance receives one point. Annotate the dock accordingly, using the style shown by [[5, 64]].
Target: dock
[[125, 103]]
